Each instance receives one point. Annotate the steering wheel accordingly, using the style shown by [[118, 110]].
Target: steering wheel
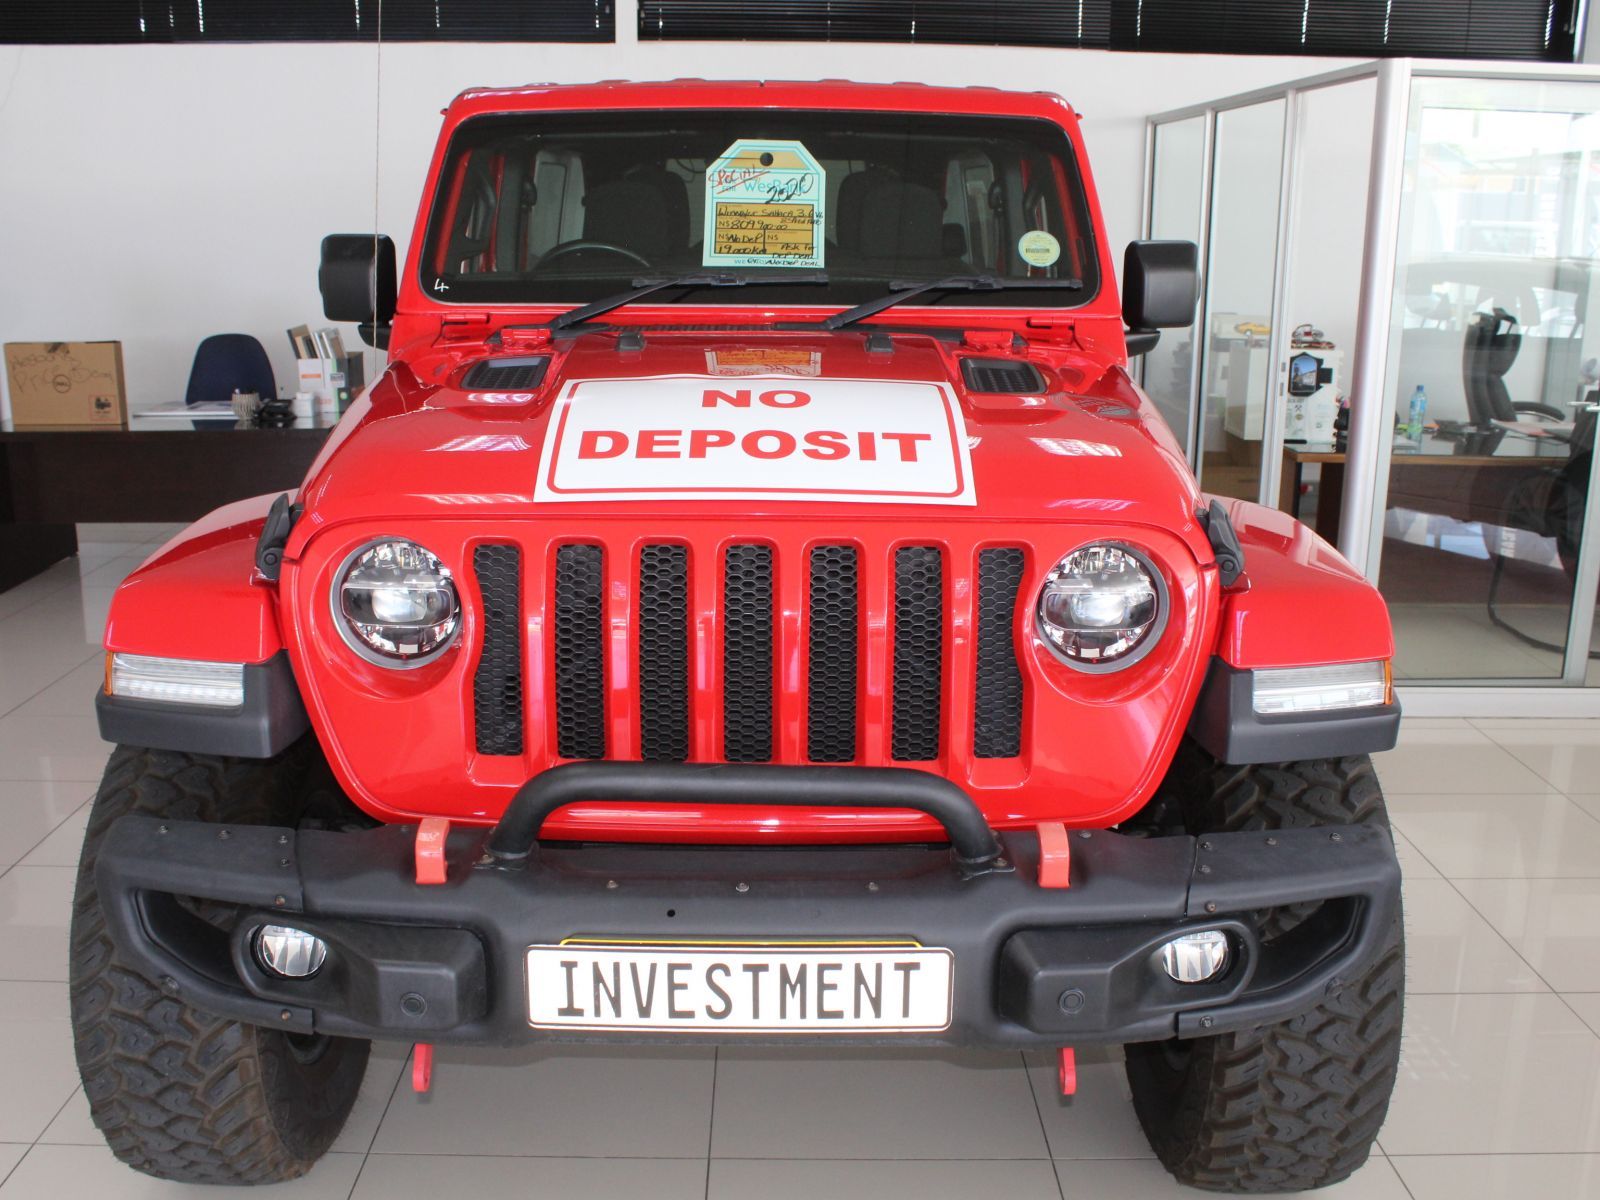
[[579, 245]]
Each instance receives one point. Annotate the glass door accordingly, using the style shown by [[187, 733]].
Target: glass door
[[1494, 364], [1236, 373], [1177, 211]]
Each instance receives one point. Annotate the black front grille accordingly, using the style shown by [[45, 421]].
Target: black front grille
[[1005, 375], [997, 704], [918, 653], [831, 695], [670, 681], [580, 660], [664, 653], [747, 680], [506, 374], [497, 684]]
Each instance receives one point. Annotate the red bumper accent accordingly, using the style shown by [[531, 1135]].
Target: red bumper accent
[[1055, 855], [431, 834]]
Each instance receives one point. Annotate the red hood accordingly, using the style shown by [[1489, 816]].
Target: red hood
[[1089, 448]]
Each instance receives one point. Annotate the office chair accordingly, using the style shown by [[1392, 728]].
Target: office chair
[[226, 361], [1490, 348]]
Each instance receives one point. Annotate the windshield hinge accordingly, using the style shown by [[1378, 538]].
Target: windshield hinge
[[1058, 329]]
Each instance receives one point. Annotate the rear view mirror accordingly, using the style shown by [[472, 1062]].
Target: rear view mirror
[[357, 281], [1160, 285]]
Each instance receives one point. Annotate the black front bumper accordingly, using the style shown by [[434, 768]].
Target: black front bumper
[[1033, 966]]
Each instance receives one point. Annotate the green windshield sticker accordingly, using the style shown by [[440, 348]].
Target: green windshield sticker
[[765, 204]]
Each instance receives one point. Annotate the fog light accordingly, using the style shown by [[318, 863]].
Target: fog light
[[289, 952], [1196, 957]]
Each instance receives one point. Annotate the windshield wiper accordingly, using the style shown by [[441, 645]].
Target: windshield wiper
[[901, 290], [699, 279]]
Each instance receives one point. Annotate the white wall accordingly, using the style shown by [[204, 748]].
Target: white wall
[[155, 194]]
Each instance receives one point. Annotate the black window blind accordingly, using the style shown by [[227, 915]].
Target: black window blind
[[157, 21], [1512, 29]]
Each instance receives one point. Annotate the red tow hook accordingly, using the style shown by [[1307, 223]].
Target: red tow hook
[[1055, 855], [1067, 1068], [422, 1067], [431, 834]]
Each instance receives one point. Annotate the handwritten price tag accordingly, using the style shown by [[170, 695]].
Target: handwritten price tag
[[765, 206]]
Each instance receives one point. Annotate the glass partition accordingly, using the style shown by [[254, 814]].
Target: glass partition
[[1494, 355], [1177, 211], [1241, 260]]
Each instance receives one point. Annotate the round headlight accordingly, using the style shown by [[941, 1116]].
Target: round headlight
[[1101, 607], [397, 603]]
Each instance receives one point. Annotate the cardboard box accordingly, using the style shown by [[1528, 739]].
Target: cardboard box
[[66, 384]]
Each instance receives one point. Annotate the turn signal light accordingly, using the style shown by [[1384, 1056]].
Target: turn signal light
[[1321, 689]]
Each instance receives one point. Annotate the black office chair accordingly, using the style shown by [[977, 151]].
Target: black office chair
[[1490, 348], [226, 362]]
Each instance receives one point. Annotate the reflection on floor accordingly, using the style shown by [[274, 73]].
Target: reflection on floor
[[1498, 1099]]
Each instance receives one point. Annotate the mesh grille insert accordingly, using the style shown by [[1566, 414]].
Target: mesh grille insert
[[747, 654], [497, 684], [1006, 375], [831, 697], [997, 706], [506, 374], [664, 653], [579, 654], [918, 652]]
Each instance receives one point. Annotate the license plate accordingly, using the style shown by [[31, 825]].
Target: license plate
[[740, 988]]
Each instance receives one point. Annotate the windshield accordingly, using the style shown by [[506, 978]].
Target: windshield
[[566, 208]]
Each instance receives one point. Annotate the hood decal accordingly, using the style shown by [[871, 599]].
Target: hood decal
[[700, 437]]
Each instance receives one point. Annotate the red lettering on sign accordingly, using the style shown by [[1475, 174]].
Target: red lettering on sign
[[714, 397], [826, 445], [700, 440], [785, 399], [589, 445], [908, 444], [869, 447], [660, 443], [751, 444]]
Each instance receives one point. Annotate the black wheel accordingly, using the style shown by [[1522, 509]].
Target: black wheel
[[178, 1093], [1294, 1105]]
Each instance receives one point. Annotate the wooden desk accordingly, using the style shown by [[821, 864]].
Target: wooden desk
[[1416, 480], [50, 479]]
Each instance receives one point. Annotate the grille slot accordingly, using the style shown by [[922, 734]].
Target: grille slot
[[664, 653], [497, 684], [997, 707], [580, 662], [1004, 375], [918, 653], [831, 669], [747, 680], [506, 374]]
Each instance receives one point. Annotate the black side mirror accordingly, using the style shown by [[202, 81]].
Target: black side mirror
[[357, 279], [1160, 286]]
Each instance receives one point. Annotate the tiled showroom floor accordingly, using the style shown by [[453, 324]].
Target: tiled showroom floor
[[1499, 1095]]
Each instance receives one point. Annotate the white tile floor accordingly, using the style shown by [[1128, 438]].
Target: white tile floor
[[1498, 827]]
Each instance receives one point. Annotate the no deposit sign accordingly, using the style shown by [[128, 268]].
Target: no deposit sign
[[694, 437]]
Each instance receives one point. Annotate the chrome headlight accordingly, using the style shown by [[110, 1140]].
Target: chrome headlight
[[396, 603], [1102, 607]]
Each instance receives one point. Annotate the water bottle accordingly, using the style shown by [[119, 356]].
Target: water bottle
[[1419, 409]]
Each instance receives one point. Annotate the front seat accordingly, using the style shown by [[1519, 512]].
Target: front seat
[[646, 211], [889, 219]]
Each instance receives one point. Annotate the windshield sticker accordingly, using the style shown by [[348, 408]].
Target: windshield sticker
[[771, 437], [765, 204], [806, 364], [1038, 248]]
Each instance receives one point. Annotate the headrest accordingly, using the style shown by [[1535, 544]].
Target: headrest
[[646, 212], [902, 220]]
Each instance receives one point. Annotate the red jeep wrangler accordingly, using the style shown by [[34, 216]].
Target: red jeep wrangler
[[755, 604]]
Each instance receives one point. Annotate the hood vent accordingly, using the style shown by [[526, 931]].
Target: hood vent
[[1004, 375], [506, 374]]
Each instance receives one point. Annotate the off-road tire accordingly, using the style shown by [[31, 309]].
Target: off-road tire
[[178, 1093], [1294, 1105]]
